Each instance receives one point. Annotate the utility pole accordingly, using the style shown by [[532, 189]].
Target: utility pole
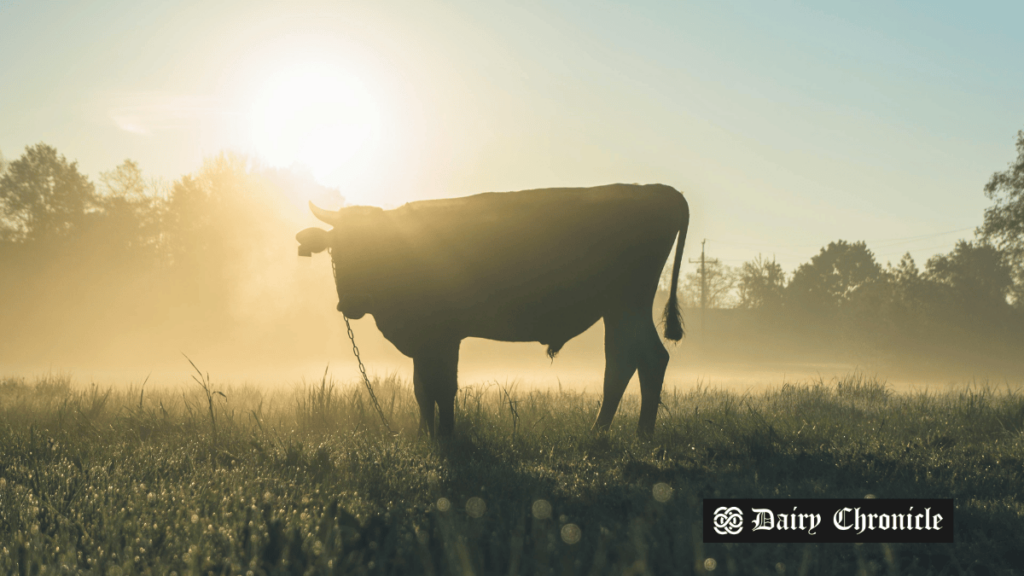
[[703, 285]]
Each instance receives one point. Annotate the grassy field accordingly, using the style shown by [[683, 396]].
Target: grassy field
[[232, 480]]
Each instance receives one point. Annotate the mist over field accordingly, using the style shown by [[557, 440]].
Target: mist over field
[[120, 279], [849, 220]]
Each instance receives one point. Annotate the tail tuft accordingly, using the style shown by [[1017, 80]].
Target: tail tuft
[[673, 315], [673, 319]]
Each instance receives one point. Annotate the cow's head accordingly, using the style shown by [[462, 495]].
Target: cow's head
[[349, 239]]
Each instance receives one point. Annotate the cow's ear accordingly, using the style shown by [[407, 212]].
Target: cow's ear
[[312, 240]]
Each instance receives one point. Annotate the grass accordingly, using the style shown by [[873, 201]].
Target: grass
[[233, 480]]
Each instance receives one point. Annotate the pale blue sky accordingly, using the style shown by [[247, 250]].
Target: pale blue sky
[[787, 124]]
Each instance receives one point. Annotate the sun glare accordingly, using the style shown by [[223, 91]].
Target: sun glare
[[318, 118]]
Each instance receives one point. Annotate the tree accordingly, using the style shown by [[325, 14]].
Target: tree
[[761, 284], [720, 283], [833, 276], [906, 307], [978, 275], [125, 181], [131, 212], [906, 275], [7, 228], [1004, 222], [43, 196], [910, 294]]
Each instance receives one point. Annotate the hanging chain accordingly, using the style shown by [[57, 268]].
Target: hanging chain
[[366, 380], [355, 350]]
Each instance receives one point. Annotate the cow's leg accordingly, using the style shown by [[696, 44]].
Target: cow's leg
[[620, 361], [423, 397], [435, 382], [653, 359]]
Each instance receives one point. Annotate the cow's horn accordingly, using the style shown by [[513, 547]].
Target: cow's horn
[[324, 215]]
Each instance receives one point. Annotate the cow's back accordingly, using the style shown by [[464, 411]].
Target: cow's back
[[534, 265]]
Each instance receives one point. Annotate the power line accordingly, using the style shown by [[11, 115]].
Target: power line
[[901, 252], [703, 285], [759, 245], [916, 238]]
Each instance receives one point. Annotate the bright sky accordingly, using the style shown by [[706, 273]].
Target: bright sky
[[787, 125]]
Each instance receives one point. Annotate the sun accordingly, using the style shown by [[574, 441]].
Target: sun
[[317, 117]]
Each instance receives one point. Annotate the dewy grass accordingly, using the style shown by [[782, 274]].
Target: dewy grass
[[233, 480]]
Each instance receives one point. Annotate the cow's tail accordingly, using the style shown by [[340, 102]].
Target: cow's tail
[[673, 315]]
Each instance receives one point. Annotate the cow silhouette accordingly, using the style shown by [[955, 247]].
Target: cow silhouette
[[530, 266]]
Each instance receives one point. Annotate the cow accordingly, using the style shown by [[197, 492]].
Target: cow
[[529, 266]]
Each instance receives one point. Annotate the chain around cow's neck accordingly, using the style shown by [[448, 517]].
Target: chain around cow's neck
[[355, 350]]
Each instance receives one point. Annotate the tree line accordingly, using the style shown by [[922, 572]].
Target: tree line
[[125, 256], [968, 300], [127, 251]]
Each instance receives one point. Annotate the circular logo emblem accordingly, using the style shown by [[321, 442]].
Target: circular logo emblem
[[728, 520]]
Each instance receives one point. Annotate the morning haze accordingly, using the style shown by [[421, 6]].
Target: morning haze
[[788, 128], [604, 264]]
